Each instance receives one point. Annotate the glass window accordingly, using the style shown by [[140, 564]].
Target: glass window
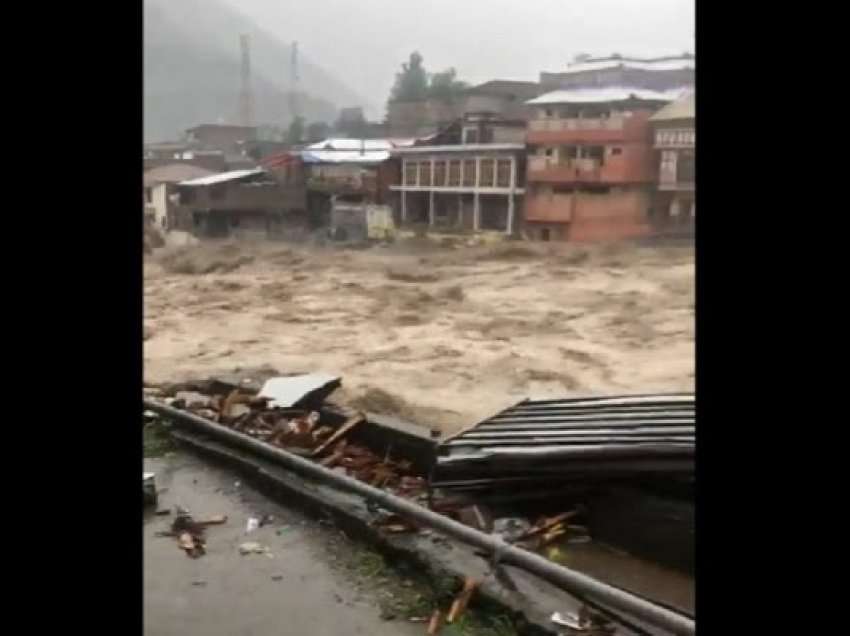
[[410, 168], [503, 173], [469, 173], [487, 173], [454, 173], [425, 173], [439, 173]]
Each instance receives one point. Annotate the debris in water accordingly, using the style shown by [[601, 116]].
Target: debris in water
[[435, 623], [253, 524]]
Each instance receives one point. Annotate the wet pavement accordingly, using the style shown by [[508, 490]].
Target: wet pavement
[[298, 590]]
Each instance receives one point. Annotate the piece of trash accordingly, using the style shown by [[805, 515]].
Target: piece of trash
[[277, 577], [290, 391], [199, 583], [163, 511], [252, 548], [462, 599], [266, 519], [568, 620], [253, 524], [236, 484], [149, 489], [435, 623], [417, 619], [280, 531], [510, 528], [215, 520], [192, 545]]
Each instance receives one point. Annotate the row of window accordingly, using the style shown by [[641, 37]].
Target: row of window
[[457, 173], [676, 137]]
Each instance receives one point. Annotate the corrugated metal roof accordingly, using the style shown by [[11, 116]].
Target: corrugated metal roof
[[174, 173], [338, 150], [606, 94], [233, 175], [549, 439], [684, 108]]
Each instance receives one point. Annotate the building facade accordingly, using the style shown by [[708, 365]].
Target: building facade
[[590, 163], [674, 211], [160, 191], [462, 187], [242, 204]]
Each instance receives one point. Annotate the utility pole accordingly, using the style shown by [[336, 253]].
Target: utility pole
[[246, 97]]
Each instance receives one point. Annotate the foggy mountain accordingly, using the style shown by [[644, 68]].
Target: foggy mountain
[[192, 71]]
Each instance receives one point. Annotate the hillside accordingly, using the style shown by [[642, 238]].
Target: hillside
[[191, 70]]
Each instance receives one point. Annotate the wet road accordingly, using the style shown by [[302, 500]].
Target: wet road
[[298, 591]]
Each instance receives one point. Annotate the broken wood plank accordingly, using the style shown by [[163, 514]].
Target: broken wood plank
[[462, 599], [340, 432]]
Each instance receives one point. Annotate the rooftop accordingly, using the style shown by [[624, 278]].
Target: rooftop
[[174, 173], [606, 94], [506, 88], [684, 108], [666, 63], [337, 150], [233, 175], [459, 148]]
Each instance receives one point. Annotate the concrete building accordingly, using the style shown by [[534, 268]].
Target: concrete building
[[160, 191], [459, 187], [590, 165], [658, 73], [674, 212], [241, 203]]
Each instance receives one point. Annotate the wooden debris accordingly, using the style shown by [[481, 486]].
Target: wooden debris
[[435, 623], [462, 599], [341, 431]]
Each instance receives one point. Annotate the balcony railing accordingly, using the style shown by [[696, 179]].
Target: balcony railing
[[545, 163], [556, 125]]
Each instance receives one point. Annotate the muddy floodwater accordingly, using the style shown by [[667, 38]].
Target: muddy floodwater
[[443, 337]]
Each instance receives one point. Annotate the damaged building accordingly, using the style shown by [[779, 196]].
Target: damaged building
[[591, 170], [348, 185], [160, 192], [242, 203], [453, 182]]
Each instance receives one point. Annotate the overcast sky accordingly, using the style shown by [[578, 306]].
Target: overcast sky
[[363, 42]]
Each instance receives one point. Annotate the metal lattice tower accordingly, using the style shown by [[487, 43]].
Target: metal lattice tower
[[246, 97]]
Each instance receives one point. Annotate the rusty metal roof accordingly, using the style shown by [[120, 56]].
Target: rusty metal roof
[[545, 439]]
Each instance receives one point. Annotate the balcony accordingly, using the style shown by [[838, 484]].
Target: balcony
[[619, 128], [570, 170], [557, 125]]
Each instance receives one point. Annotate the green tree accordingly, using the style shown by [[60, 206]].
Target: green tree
[[445, 85], [411, 83], [295, 134]]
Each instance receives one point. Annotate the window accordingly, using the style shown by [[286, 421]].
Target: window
[[217, 192], [454, 173], [616, 151], [470, 136], [439, 173], [424, 173], [550, 152], [149, 195], [410, 168], [187, 195], [548, 112], [469, 173], [685, 168], [487, 173], [503, 173]]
